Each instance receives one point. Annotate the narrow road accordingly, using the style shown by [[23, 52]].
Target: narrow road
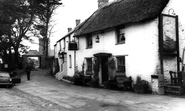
[[68, 96], [44, 93], [16, 100]]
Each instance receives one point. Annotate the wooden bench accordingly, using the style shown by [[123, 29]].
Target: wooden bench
[[120, 81], [177, 83]]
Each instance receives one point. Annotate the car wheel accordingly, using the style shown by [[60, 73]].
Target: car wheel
[[9, 86]]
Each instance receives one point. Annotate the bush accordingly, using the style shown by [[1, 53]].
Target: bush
[[141, 86], [94, 82], [78, 78], [69, 78]]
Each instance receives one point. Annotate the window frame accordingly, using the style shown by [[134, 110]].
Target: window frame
[[89, 65], [89, 39], [69, 37], [64, 43], [120, 31], [122, 65]]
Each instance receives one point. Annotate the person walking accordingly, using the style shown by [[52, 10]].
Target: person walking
[[28, 71]]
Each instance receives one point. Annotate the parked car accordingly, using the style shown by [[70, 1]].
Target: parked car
[[15, 77], [5, 79]]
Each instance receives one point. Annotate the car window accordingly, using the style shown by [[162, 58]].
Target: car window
[[4, 74]]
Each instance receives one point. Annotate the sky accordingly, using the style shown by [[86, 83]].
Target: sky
[[65, 16]]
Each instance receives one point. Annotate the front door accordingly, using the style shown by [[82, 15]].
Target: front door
[[104, 68], [103, 63]]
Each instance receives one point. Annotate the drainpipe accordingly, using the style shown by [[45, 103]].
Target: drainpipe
[[74, 58], [74, 61]]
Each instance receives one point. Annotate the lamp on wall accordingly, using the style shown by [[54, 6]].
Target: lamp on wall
[[97, 39], [171, 12]]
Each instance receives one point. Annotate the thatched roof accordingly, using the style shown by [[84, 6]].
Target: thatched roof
[[120, 13]]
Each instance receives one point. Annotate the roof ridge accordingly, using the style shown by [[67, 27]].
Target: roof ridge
[[121, 12]]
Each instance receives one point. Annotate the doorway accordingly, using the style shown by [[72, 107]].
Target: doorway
[[103, 58], [104, 68]]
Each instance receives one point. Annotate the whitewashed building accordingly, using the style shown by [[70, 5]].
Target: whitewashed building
[[129, 37], [65, 54], [133, 33]]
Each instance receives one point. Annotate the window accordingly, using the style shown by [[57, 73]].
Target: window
[[89, 41], [70, 62], [69, 38], [89, 64], [60, 45], [121, 64], [73, 39], [64, 43], [120, 35]]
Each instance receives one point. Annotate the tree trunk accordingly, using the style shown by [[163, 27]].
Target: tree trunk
[[11, 64], [16, 55], [10, 54], [5, 56]]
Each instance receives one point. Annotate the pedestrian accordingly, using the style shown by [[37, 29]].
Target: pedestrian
[[28, 71]]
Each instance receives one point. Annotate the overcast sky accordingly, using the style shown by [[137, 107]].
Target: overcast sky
[[66, 15]]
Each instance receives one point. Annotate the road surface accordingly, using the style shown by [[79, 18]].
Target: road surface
[[44, 93]]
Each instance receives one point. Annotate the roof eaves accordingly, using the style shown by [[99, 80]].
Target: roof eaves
[[66, 35]]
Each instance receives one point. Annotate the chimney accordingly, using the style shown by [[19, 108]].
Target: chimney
[[102, 3], [69, 29], [77, 22]]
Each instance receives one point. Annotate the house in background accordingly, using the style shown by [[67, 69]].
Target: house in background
[[65, 53], [131, 37], [65, 58]]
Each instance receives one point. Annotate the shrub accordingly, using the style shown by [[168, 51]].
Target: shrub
[[94, 82], [78, 78], [141, 86]]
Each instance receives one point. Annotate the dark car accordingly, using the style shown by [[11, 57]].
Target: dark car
[[5, 79], [15, 77]]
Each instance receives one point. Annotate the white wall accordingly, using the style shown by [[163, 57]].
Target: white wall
[[62, 63], [140, 48], [142, 45], [67, 70], [70, 70]]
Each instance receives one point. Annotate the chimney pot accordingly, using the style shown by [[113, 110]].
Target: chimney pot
[[77, 22], [102, 3], [69, 29]]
